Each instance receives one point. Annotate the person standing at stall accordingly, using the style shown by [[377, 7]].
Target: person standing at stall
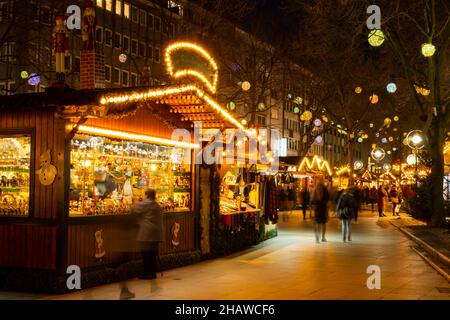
[[150, 217], [320, 199]]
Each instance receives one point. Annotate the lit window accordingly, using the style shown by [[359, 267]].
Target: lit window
[[99, 3], [118, 7], [126, 10], [108, 5], [15, 169], [107, 73]]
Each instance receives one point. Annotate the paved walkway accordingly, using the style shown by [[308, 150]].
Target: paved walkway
[[293, 266]]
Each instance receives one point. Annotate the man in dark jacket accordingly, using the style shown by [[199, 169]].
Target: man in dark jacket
[[345, 208], [150, 234]]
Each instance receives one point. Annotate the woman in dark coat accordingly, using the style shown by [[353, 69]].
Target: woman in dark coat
[[320, 199]]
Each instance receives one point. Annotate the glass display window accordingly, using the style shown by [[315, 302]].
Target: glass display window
[[108, 175], [15, 168]]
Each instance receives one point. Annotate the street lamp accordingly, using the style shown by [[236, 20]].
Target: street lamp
[[378, 154], [415, 141]]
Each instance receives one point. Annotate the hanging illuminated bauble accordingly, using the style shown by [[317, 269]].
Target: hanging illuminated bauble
[[428, 49], [325, 119], [318, 139], [391, 87], [387, 121], [411, 159], [384, 140], [373, 98], [246, 85], [244, 122], [386, 166], [396, 118], [123, 57], [376, 37], [358, 165], [371, 125], [306, 116], [298, 100], [374, 145], [365, 136], [378, 154], [289, 95], [296, 110], [377, 134], [34, 79], [360, 139], [389, 152], [415, 139], [24, 74], [317, 122], [231, 105], [391, 139], [261, 106], [421, 90], [394, 149], [358, 90]]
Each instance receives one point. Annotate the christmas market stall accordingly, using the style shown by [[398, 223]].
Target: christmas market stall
[[72, 162]]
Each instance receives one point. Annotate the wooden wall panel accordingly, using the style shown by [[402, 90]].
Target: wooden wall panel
[[28, 246]]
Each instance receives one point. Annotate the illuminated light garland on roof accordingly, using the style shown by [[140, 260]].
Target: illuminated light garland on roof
[[185, 72], [320, 164], [135, 137]]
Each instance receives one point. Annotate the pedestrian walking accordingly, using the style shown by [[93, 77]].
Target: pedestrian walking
[[320, 199], [394, 200], [373, 197], [381, 201], [305, 201], [150, 234], [290, 197], [345, 209], [357, 195]]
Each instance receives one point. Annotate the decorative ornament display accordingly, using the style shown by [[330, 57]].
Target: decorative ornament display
[[415, 140], [100, 251], [296, 110], [47, 172], [373, 99], [298, 100], [391, 139], [325, 119], [371, 125], [231, 105], [318, 139], [60, 46], [317, 122], [389, 152], [378, 154], [376, 37], [360, 139], [175, 230], [306, 116], [24, 74], [391, 87], [261, 106], [423, 91], [358, 90], [34, 79], [396, 118], [428, 50], [384, 140], [358, 165], [387, 167], [244, 122], [289, 95], [246, 86], [387, 121], [123, 57]]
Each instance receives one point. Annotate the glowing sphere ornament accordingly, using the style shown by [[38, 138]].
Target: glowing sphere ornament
[[24, 74], [411, 159], [415, 139], [298, 100], [391, 139], [396, 118], [244, 122], [373, 99], [428, 50], [325, 119], [317, 122], [358, 165], [296, 110], [384, 140], [261, 106], [123, 57], [378, 154], [376, 37], [358, 90], [387, 121], [371, 125], [391, 87], [360, 139], [387, 167], [34, 79], [246, 86], [318, 139], [306, 116]]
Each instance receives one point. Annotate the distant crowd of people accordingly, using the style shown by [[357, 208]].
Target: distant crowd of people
[[347, 203]]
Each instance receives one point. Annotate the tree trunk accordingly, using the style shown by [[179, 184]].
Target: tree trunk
[[436, 139], [350, 158]]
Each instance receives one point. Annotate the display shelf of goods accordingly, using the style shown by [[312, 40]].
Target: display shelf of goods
[[109, 175]]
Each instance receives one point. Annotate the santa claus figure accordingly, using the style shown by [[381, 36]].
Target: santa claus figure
[[88, 27], [60, 46]]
